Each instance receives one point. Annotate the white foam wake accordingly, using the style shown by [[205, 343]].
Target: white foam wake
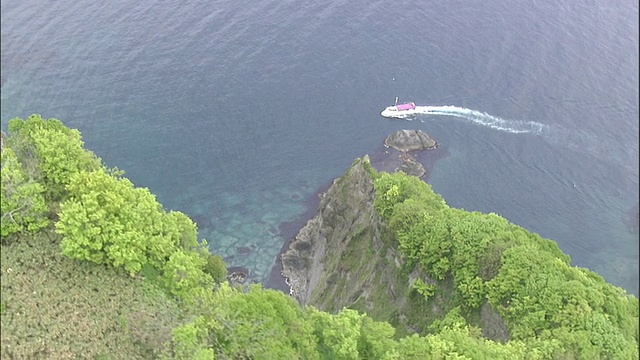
[[575, 139], [482, 118]]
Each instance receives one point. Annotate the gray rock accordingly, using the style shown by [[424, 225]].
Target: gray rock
[[406, 140], [344, 211], [411, 166]]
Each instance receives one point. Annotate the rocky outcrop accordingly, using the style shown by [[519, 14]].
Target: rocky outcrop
[[237, 275], [411, 166], [494, 326], [345, 210], [335, 259], [407, 140], [344, 257]]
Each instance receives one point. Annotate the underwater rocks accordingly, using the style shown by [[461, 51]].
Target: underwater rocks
[[237, 275]]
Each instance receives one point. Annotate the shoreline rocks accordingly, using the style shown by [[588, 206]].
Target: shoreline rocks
[[406, 141]]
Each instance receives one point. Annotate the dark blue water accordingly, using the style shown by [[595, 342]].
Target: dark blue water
[[236, 112]]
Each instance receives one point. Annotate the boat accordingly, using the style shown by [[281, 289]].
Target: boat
[[399, 110]]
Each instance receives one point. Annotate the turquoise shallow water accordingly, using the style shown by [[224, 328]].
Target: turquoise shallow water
[[238, 114]]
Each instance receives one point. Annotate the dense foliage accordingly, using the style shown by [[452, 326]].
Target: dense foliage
[[143, 268], [544, 300], [50, 153], [23, 204]]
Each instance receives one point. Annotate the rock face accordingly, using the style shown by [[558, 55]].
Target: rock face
[[494, 326], [345, 210], [407, 140], [345, 257], [411, 166], [335, 258], [237, 275]]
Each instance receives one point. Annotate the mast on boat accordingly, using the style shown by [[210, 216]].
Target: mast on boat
[[396, 101]]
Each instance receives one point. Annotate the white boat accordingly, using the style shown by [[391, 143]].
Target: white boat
[[400, 110]]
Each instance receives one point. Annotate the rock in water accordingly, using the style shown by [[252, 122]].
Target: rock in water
[[406, 140], [411, 166]]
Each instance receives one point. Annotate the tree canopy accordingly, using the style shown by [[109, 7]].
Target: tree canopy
[[52, 188]]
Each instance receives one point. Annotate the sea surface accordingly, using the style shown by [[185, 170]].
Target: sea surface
[[238, 112]]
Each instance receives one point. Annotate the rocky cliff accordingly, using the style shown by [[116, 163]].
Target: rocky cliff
[[345, 257], [345, 213]]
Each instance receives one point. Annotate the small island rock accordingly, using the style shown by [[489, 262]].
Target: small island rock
[[406, 140]]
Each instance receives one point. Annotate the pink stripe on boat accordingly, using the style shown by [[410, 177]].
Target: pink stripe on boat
[[407, 106]]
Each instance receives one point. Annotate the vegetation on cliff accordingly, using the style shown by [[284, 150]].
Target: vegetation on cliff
[[94, 267], [545, 301]]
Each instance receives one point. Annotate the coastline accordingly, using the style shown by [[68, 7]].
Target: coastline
[[382, 159]]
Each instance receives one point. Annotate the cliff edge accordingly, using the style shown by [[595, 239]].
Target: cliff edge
[[345, 257], [345, 212]]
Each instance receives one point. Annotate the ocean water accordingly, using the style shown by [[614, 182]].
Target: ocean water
[[237, 113]]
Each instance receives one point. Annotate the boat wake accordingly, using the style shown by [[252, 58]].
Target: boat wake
[[574, 139], [484, 119]]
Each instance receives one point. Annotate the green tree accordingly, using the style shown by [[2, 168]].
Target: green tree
[[258, 324], [23, 204], [107, 220], [424, 289], [189, 341], [184, 275], [376, 340], [216, 267], [50, 152], [338, 334]]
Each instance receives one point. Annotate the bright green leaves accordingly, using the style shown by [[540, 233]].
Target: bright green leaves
[[38, 163], [527, 278], [392, 189], [424, 289], [604, 335], [338, 334], [103, 218], [216, 267], [258, 324], [183, 273], [23, 204], [107, 219], [50, 152], [82, 238], [352, 335], [376, 340], [189, 341], [543, 297]]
